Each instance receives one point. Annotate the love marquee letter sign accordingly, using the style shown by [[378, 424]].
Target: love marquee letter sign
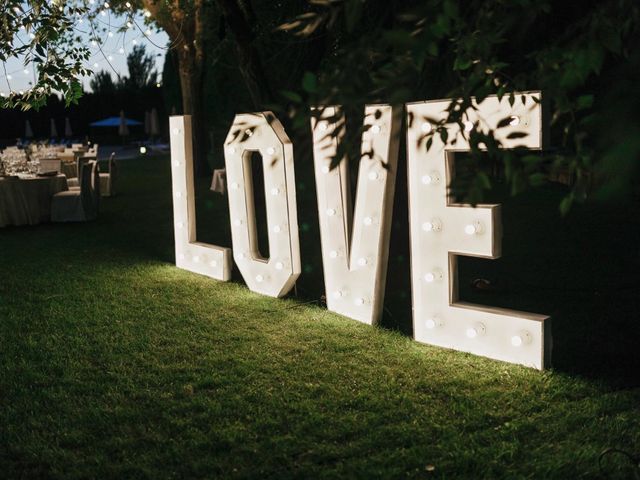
[[355, 241]]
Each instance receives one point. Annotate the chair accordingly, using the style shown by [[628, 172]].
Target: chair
[[50, 165], [78, 205], [80, 161], [107, 180]]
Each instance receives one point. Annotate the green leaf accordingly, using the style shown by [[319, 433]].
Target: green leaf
[[310, 82], [584, 101]]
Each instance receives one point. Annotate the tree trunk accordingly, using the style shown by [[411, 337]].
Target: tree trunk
[[239, 20], [186, 32]]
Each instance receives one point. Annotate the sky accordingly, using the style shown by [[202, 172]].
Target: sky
[[110, 54]]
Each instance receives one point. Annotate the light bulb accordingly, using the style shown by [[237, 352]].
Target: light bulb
[[373, 176], [9, 77], [128, 5], [333, 254], [476, 330], [338, 294], [375, 129], [237, 223], [521, 338], [279, 265], [178, 194], [147, 13], [275, 191], [176, 131], [241, 256], [110, 57], [231, 150], [430, 178], [323, 126], [514, 121], [359, 301], [106, 5], [26, 71], [368, 221], [95, 65], [271, 151], [276, 229], [235, 186], [259, 278], [362, 261], [426, 127], [180, 225], [473, 229], [213, 263], [432, 226], [148, 32], [432, 323], [248, 132], [176, 164], [121, 51], [468, 126], [110, 34], [433, 276], [331, 212], [325, 169]]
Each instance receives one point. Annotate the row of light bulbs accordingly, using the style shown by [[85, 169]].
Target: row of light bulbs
[[478, 329]]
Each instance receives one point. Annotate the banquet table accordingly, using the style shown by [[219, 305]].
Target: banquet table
[[26, 200]]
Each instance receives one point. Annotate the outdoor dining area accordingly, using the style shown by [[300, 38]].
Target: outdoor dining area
[[52, 183]]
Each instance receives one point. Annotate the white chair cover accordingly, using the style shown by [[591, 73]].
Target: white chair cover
[[108, 180], [77, 205]]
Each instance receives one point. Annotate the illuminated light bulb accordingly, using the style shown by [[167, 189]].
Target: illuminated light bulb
[[128, 5], [176, 164], [376, 129], [333, 254], [26, 71], [325, 169], [196, 259], [468, 126], [94, 43], [360, 301], [121, 51], [276, 229], [129, 24], [143, 150], [275, 191], [92, 2], [249, 132], [235, 186], [178, 194], [430, 178], [271, 151], [522, 338], [95, 65], [431, 277], [374, 176], [259, 278], [175, 131], [80, 20], [180, 225], [338, 294], [134, 41], [241, 256], [231, 150], [148, 32], [106, 5], [362, 262], [433, 226], [21, 92], [368, 221], [213, 263], [237, 223], [514, 120], [323, 126], [432, 323], [426, 127], [110, 34], [32, 36], [331, 212], [475, 331], [110, 57], [279, 265], [473, 229], [9, 77], [147, 13]]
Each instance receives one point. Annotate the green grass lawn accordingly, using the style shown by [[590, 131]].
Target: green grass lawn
[[115, 364]]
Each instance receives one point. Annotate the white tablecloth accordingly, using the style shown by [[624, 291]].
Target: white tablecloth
[[27, 201]]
